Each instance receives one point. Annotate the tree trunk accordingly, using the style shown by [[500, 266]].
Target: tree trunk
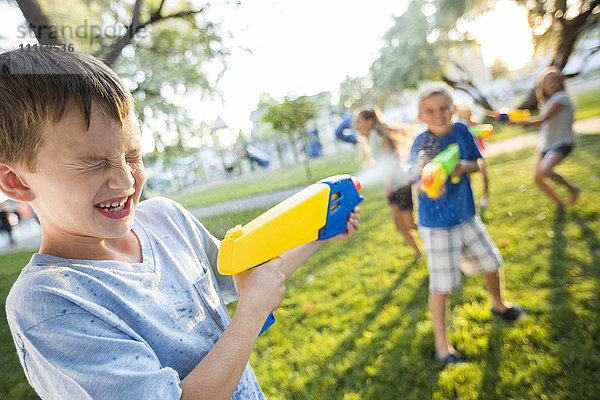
[[530, 102], [569, 34], [38, 22]]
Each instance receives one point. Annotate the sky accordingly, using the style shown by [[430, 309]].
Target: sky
[[310, 46], [298, 48]]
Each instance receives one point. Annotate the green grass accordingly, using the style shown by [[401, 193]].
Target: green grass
[[272, 180], [370, 336], [13, 384], [587, 104]]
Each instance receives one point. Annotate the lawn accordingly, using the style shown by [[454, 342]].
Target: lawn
[[369, 335], [271, 180], [587, 104]]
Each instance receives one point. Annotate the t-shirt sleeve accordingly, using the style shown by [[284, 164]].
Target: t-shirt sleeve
[[561, 98], [87, 358], [469, 150]]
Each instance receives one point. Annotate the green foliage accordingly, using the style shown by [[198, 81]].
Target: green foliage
[[415, 50], [291, 115], [407, 57]]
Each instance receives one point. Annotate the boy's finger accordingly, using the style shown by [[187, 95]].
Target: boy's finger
[[349, 227]]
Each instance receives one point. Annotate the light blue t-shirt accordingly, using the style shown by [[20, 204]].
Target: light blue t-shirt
[[116, 330], [456, 205]]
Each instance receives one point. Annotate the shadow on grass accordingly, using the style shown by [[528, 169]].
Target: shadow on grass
[[593, 244], [407, 368], [361, 374], [563, 319], [490, 378]]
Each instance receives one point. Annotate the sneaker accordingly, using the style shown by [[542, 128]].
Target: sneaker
[[450, 358], [510, 314]]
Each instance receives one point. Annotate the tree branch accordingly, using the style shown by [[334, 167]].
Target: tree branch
[[124, 40], [136, 26], [38, 22], [162, 3]]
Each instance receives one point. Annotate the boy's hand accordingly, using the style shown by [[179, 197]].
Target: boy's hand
[[352, 225], [261, 288], [459, 170]]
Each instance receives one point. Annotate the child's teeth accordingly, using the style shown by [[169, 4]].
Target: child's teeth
[[114, 206]]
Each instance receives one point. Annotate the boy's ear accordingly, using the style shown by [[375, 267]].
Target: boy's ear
[[419, 117], [12, 185]]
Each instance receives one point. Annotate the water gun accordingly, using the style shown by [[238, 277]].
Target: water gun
[[516, 115], [436, 172], [317, 212], [482, 131]]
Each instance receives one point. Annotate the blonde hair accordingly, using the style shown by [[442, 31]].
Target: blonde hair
[[539, 87], [40, 87], [434, 89]]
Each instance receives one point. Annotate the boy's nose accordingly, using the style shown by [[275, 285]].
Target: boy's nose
[[121, 177]]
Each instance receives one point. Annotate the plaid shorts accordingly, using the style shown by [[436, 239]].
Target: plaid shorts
[[467, 247]]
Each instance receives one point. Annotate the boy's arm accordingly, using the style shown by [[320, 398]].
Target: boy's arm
[[465, 167], [217, 376], [294, 258], [467, 164]]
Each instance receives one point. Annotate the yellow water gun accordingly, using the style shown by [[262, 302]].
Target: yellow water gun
[[515, 115], [436, 172], [318, 212]]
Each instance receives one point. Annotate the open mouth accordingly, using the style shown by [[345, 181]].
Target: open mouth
[[115, 207]]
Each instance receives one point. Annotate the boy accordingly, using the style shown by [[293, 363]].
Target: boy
[[448, 226], [123, 300]]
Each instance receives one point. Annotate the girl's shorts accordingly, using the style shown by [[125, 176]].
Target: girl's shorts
[[563, 150], [402, 197], [467, 247]]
